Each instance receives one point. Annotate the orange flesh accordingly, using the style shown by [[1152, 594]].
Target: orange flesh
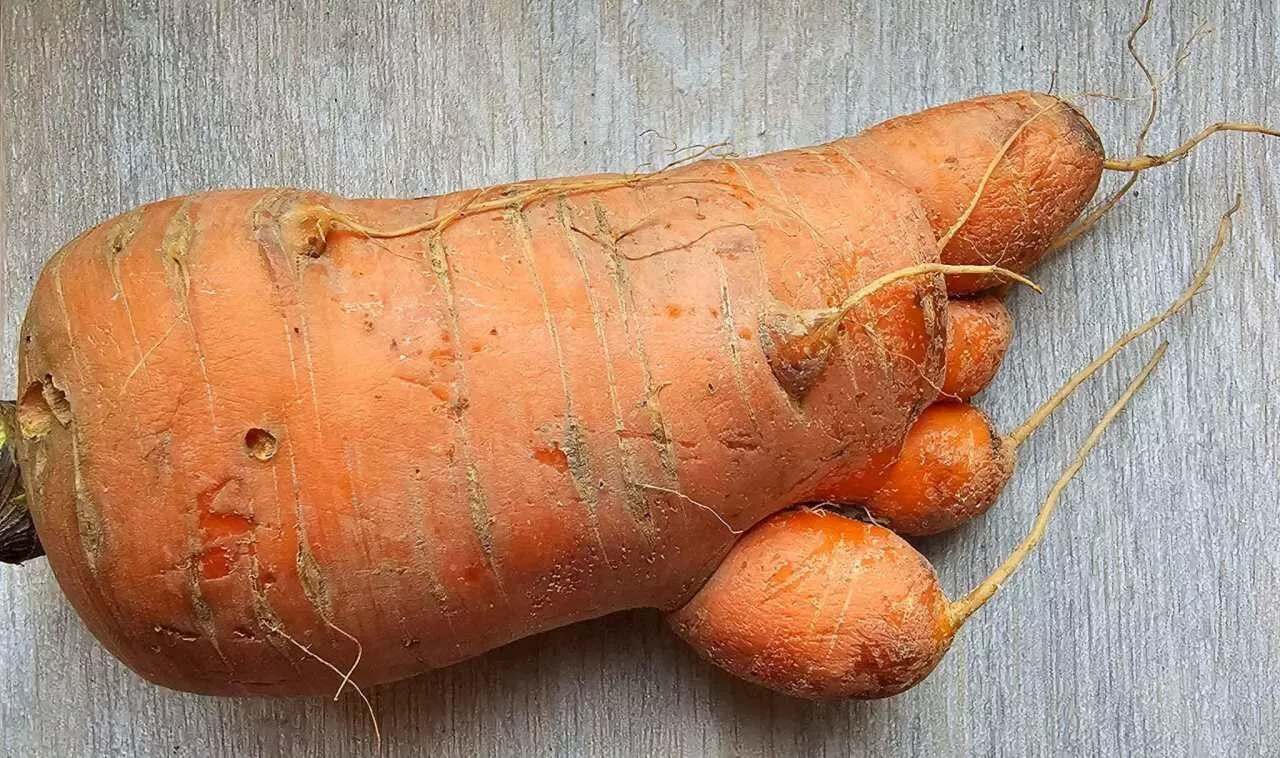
[[1035, 191]]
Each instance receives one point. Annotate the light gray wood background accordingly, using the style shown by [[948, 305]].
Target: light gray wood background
[[1147, 624]]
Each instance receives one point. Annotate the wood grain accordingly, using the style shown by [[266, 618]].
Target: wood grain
[[1148, 623]]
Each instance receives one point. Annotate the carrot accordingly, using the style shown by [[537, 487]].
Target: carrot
[[280, 442], [1046, 149], [817, 605], [978, 334], [953, 465]]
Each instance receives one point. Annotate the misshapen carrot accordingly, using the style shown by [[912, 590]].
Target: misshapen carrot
[[953, 465], [945, 155], [438, 425], [261, 431]]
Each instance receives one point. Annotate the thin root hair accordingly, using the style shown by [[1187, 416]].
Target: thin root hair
[[1144, 162], [1019, 435], [686, 498], [346, 677], [829, 323], [960, 611], [1140, 141], [946, 238]]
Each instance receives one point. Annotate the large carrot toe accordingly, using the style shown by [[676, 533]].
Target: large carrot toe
[[814, 604]]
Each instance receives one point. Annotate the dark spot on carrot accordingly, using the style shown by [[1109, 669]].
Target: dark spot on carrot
[[745, 333], [674, 311]]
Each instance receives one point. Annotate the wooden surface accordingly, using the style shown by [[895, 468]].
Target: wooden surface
[[1148, 624]]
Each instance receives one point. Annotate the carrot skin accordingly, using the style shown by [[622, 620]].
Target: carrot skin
[[978, 334]]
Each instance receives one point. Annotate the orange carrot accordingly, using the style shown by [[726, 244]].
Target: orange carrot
[[1046, 149], [280, 442], [952, 467], [978, 334]]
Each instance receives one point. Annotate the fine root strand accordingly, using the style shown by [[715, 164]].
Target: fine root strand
[[946, 238], [684, 245], [142, 360], [1183, 53], [1072, 97], [1139, 146], [1144, 162], [1152, 81], [959, 611], [345, 676], [516, 196], [1019, 435], [686, 498], [829, 322], [1092, 218]]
